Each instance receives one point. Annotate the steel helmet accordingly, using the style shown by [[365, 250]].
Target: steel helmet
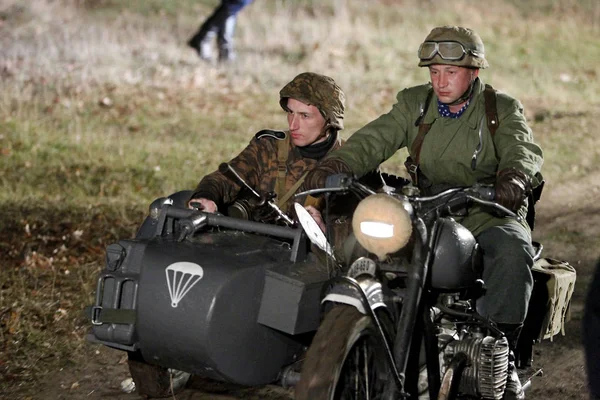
[[452, 45], [320, 91]]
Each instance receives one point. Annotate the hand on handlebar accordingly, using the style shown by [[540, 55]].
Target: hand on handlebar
[[202, 204], [316, 214], [512, 188], [317, 178]]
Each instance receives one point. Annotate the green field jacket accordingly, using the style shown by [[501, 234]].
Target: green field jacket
[[449, 145]]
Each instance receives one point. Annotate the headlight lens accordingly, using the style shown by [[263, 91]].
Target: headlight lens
[[376, 229], [382, 224]]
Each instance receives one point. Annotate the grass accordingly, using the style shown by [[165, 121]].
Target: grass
[[103, 108]]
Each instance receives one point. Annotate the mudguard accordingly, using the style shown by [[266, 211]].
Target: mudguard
[[348, 293]]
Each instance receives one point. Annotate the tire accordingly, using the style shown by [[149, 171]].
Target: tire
[[153, 381], [335, 367]]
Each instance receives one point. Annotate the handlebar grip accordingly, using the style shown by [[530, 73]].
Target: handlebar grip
[[338, 181], [486, 192], [192, 219]]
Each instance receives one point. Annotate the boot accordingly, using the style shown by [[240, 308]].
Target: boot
[[202, 43], [514, 389], [203, 40]]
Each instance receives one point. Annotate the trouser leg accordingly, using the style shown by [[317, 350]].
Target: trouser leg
[[225, 39], [203, 39], [507, 261]]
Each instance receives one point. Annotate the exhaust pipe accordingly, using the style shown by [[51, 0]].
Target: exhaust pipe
[[527, 384]]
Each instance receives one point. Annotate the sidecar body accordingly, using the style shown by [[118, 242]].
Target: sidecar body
[[235, 301]]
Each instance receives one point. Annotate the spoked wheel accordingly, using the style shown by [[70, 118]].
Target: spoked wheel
[[153, 381], [346, 359]]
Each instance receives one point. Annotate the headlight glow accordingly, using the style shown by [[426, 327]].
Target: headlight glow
[[377, 229], [382, 224]]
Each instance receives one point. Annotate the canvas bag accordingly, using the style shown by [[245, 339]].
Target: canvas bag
[[560, 286]]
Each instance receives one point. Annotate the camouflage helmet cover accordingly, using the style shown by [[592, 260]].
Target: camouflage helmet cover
[[469, 39], [320, 91]]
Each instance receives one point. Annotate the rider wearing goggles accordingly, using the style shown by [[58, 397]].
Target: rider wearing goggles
[[452, 45]]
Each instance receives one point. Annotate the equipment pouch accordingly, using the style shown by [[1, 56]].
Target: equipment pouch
[[560, 285]]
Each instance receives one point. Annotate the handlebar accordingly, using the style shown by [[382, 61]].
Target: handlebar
[[232, 174], [478, 193], [193, 220]]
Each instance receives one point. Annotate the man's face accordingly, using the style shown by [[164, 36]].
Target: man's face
[[305, 122], [450, 82]]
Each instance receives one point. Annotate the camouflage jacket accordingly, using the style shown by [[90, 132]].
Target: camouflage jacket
[[258, 165]]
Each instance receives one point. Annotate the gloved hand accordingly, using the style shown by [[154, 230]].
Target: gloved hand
[[512, 188], [317, 178]]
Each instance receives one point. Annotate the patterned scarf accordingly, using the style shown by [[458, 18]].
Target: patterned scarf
[[444, 110]]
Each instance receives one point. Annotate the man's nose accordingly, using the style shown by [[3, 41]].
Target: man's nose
[[442, 80], [293, 122]]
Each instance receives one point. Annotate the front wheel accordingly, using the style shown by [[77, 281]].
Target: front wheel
[[153, 381], [346, 359]]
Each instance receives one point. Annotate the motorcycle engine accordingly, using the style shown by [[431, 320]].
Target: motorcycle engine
[[486, 370]]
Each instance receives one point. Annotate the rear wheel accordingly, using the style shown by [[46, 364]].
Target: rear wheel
[[154, 381], [346, 359]]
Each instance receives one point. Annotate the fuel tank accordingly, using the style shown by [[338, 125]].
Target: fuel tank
[[457, 256]]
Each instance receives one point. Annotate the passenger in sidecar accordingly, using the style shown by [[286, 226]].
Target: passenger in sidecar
[[275, 162]]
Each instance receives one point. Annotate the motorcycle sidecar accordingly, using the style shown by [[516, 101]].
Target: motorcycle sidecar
[[237, 301]]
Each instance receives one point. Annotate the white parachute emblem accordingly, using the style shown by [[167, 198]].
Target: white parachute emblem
[[181, 278]]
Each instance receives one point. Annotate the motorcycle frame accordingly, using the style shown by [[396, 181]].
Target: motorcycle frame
[[413, 320]]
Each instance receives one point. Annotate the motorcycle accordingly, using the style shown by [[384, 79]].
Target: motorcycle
[[401, 321], [240, 300]]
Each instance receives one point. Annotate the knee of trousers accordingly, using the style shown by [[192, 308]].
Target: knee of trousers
[[507, 247], [508, 258], [510, 268]]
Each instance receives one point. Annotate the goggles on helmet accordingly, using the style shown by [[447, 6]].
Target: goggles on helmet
[[448, 50]]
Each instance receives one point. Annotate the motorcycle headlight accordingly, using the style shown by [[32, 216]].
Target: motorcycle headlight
[[382, 224]]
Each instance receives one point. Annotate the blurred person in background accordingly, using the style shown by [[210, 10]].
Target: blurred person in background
[[459, 132], [591, 335], [277, 161], [221, 24]]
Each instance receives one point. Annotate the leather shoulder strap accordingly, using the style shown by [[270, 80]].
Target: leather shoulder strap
[[282, 201], [282, 156], [491, 110], [423, 129]]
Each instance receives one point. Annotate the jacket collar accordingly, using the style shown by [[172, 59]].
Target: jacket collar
[[470, 116], [336, 144]]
